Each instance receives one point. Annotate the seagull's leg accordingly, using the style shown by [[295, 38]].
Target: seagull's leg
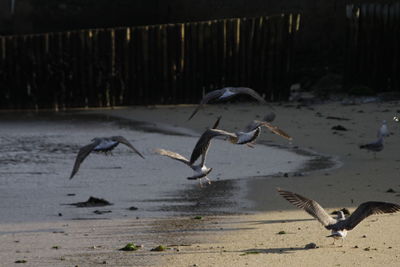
[[200, 183], [208, 180]]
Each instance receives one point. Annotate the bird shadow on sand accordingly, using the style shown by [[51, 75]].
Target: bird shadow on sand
[[271, 250]]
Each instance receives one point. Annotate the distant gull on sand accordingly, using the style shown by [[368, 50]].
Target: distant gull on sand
[[374, 146], [226, 93], [340, 225], [100, 144]]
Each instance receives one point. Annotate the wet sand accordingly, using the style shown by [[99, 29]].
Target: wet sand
[[38, 152], [246, 239]]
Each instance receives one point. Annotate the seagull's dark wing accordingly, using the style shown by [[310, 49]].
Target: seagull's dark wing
[[366, 209], [275, 130], [250, 92], [173, 155], [216, 123], [82, 154], [309, 205], [202, 145], [123, 140], [207, 98], [374, 146]]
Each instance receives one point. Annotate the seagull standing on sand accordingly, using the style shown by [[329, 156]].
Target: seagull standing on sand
[[103, 145], [340, 225], [374, 146], [226, 93]]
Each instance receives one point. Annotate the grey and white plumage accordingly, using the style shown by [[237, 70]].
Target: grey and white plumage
[[383, 130], [274, 129], [226, 93], [374, 146], [100, 144], [201, 149], [340, 225]]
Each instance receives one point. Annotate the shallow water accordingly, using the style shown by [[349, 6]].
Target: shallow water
[[38, 151]]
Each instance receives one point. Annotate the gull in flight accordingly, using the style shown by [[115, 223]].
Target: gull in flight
[[374, 146], [226, 93], [201, 149], [100, 144], [252, 131], [383, 130], [340, 225]]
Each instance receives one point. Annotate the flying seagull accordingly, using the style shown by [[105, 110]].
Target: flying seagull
[[340, 225], [226, 93], [100, 144], [383, 130], [201, 149], [256, 126], [249, 134], [374, 146]]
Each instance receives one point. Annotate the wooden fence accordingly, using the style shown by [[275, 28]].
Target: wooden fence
[[373, 46], [160, 64]]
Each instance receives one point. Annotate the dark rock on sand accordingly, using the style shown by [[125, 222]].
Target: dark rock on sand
[[92, 202], [311, 246], [339, 128]]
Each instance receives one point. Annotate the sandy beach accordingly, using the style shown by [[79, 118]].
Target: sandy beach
[[245, 238]]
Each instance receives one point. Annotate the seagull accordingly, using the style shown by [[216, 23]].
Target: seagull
[[340, 225], [100, 144], [383, 130], [251, 132], [374, 146], [226, 93], [201, 149], [256, 125]]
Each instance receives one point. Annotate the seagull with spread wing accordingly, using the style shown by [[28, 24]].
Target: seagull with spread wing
[[253, 131], [226, 93], [100, 144], [201, 149], [340, 225]]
